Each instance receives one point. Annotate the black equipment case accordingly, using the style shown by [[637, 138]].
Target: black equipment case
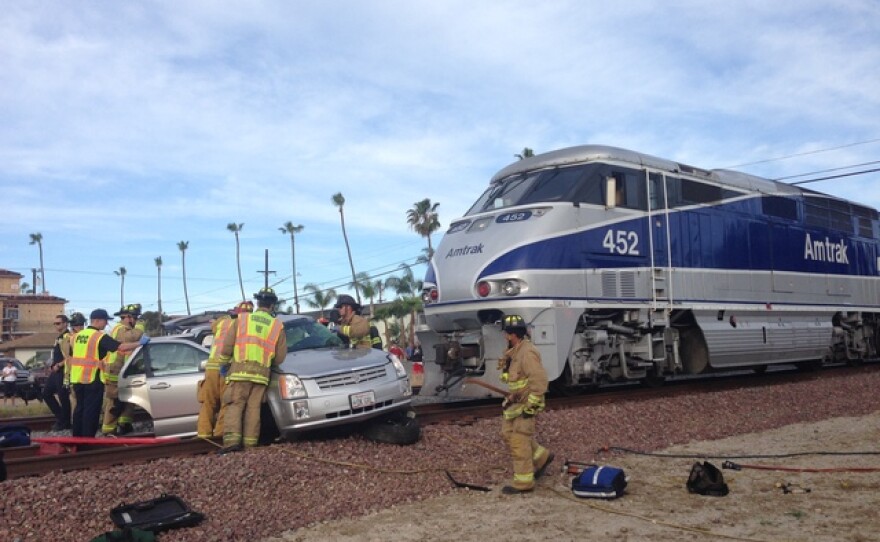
[[166, 512]]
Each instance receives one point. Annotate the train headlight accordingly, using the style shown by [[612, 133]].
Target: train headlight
[[511, 287], [430, 295], [484, 288]]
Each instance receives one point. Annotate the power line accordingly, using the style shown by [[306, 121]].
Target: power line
[[817, 151], [826, 171], [837, 176]]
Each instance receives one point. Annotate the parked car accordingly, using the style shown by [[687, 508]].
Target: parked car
[[320, 383], [24, 380]]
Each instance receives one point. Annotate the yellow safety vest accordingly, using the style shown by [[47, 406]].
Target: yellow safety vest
[[256, 336], [214, 358], [84, 363], [108, 374]]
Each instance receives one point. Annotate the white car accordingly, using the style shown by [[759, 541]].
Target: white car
[[320, 383]]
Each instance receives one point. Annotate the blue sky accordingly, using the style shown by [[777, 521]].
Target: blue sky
[[126, 127]]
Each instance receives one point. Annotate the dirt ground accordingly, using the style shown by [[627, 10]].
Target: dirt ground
[[827, 506]]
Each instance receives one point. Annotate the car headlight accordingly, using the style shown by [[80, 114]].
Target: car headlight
[[398, 367], [291, 387]]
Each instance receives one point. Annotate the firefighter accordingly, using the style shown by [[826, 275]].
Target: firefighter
[[351, 324], [118, 415], [210, 390], [255, 344], [522, 370], [90, 348]]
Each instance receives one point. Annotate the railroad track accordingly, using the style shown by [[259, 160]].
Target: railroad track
[[36, 459]]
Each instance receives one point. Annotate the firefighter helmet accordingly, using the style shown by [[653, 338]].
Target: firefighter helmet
[[513, 322], [77, 319], [266, 295], [346, 299], [244, 306]]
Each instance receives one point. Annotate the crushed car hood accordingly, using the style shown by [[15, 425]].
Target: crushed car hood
[[327, 361]]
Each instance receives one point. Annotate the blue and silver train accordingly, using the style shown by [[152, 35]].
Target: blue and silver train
[[630, 267]]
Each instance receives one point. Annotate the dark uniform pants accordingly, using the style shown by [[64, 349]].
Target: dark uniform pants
[[60, 407], [87, 414], [241, 424]]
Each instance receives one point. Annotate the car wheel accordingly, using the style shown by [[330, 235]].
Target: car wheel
[[396, 428]]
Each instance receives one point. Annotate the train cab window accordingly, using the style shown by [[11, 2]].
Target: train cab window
[[505, 193], [694, 192], [656, 191], [779, 207], [629, 190], [554, 185]]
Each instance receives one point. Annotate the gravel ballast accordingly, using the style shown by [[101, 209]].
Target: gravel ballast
[[264, 492]]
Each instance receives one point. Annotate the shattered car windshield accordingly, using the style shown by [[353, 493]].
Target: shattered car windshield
[[307, 334]]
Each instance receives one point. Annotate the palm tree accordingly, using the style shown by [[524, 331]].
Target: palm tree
[[37, 239], [121, 274], [379, 287], [183, 245], [409, 289], [158, 260], [293, 230], [526, 153], [422, 219], [319, 298], [24, 288], [339, 201], [367, 288], [235, 228]]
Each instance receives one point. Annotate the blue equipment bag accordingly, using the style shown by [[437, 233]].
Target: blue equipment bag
[[599, 482], [14, 435]]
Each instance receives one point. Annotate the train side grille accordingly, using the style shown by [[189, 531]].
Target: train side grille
[[609, 284], [627, 284]]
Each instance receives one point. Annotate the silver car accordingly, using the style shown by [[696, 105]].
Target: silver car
[[321, 382]]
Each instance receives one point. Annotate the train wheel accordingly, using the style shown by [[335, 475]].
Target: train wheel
[[694, 352], [809, 366], [653, 380], [561, 386]]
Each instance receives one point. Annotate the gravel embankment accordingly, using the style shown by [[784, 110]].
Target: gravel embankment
[[264, 492]]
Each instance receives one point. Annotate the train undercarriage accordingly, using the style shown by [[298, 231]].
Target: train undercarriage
[[624, 345]]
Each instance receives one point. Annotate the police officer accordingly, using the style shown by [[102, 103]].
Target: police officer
[[210, 391], [90, 348], [257, 344], [119, 416], [522, 370], [60, 407], [351, 324]]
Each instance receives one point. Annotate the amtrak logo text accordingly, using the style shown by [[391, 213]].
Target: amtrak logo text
[[467, 249], [826, 250]]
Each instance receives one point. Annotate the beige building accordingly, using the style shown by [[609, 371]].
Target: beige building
[[22, 315]]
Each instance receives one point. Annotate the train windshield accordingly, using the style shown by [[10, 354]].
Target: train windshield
[[578, 183]]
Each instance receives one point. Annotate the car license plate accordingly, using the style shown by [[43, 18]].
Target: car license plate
[[363, 399]]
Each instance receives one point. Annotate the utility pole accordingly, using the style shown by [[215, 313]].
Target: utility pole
[[34, 273], [266, 271]]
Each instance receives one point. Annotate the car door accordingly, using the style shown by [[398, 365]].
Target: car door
[[172, 371]]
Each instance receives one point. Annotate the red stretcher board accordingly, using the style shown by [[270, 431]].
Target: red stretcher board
[[104, 441]]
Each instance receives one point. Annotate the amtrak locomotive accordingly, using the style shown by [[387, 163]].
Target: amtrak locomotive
[[630, 267]]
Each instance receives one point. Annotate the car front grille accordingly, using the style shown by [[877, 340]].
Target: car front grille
[[350, 379]]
